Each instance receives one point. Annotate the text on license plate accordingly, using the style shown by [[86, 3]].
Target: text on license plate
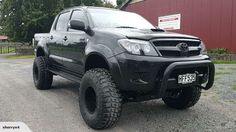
[[187, 78]]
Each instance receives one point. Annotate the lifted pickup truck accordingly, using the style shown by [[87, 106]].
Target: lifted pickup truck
[[120, 57]]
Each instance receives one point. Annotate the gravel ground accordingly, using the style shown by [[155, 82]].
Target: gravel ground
[[57, 109], [225, 85]]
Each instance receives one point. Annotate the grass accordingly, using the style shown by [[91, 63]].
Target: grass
[[217, 77], [4, 50], [224, 62], [223, 73], [233, 68], [221, 68], [234, 87], [20, 57]]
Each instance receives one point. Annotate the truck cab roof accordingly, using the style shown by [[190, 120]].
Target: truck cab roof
[[90, 7]]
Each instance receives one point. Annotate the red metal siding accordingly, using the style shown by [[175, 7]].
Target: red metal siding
[[233, 35], [212, 20]]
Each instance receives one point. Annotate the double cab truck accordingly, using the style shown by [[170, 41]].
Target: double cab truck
[[119, 57]]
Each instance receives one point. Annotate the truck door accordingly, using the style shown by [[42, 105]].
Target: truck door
[[56, 40], [74, 45]]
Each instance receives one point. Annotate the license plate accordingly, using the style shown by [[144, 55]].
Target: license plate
[[187, 78]]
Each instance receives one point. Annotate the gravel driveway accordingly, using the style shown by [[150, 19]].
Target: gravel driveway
[[57, 109]]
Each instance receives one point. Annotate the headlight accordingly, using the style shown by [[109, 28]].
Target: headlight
[[203, 49], [138, 47]]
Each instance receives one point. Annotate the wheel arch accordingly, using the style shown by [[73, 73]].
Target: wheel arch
[[111, 64], [96, 60], [40, 51], [41, 48]]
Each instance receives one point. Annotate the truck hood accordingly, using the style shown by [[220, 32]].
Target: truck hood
[[143, 34]]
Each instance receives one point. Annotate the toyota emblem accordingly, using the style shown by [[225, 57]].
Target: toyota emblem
[[183, 47]]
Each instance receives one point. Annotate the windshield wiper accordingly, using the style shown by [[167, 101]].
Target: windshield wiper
[[126, 27]]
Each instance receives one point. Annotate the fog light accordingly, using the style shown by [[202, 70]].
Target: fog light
[[204, 78]]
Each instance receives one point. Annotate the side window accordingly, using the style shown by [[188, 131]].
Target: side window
[[79, 15], [62, 21]]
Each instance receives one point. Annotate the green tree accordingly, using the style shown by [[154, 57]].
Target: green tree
[[70, 3], [21, 19], [108, 4], [119, 2]]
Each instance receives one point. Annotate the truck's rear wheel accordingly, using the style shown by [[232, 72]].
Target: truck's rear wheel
[[99, 99], [186, 98], [42, 77]]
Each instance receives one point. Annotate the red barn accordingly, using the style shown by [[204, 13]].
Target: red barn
[[214, 21]]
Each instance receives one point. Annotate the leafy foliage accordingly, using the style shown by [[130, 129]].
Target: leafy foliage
[[120, 2], [219, 51], [21, 19]]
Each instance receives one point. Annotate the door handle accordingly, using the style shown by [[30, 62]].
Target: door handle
[[83, 40], [51, 37], [65, 38]]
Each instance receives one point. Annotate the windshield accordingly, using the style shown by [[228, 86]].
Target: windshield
[[118, 19]]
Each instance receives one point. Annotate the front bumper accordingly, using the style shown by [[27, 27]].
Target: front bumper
[[189, 64], [143, 73]]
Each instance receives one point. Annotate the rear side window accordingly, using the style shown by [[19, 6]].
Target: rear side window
[[62, 21]]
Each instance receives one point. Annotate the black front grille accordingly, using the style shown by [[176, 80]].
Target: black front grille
[[170, 53], [174, 43], [169, 47], [194, 53]]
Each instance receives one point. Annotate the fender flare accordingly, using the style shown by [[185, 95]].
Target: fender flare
[[41, 44], [105, 53]]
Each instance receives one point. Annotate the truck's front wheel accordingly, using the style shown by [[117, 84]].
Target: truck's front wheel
[[42, 77], [186, 98], [99, 99]]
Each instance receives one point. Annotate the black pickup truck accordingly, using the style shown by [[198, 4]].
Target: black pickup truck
[[119, 57]]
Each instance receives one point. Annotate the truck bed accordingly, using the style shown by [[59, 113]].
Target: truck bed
[[39, 36]]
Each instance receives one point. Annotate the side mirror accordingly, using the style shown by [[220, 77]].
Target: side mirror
[[77, 25]]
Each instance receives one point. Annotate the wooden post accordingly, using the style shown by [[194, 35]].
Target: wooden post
[[16, 50]]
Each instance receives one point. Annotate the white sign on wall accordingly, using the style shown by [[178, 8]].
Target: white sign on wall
[[171, 22]]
